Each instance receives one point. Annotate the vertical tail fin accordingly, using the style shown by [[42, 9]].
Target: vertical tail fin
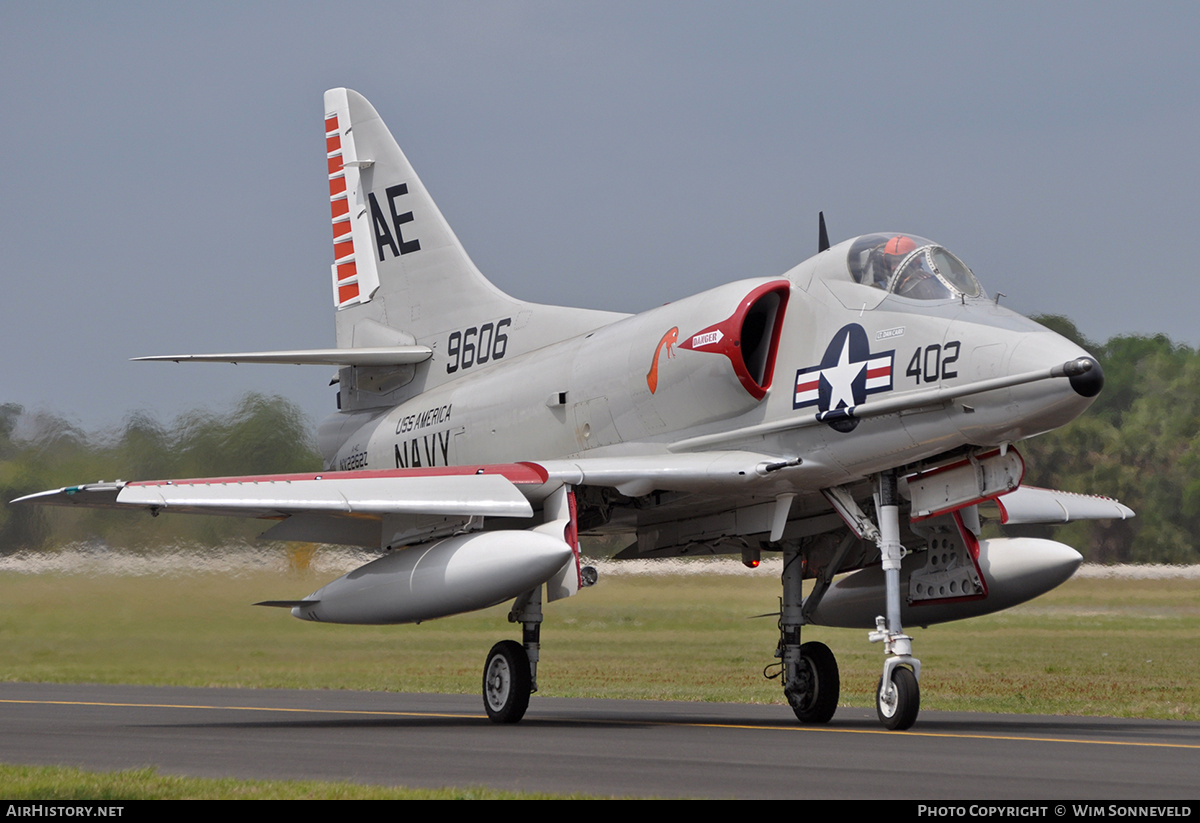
[[400, 275], [387, 229]]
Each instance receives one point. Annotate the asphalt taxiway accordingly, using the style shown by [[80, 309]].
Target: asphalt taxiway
[[600, 747]]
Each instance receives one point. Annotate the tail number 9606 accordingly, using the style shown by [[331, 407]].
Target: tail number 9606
[[477, 345]]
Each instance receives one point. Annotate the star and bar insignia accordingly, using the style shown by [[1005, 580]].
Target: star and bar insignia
[[848, 372]]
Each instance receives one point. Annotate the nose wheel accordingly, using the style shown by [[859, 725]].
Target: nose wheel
[[898, 699], [506, 682]]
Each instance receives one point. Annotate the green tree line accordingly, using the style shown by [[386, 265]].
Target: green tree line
[[262, 434], [1139, 443]]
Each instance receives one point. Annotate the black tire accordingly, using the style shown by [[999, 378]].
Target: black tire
[[506, 682], [821, 701], [901, 711]]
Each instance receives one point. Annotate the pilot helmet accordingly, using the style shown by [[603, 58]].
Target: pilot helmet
[[899, 245]]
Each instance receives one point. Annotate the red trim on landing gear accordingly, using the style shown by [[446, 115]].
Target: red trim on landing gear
[[571, 534]]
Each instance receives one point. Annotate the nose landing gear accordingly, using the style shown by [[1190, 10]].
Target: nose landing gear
[[810, 675], [898, 698]]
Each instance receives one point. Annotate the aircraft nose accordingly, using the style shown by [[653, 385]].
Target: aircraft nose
[[1048, 404], [1089, 382], [1046, 348]]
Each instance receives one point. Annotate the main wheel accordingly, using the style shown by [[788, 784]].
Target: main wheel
[[506, 682], [817, 700], [898, 707]]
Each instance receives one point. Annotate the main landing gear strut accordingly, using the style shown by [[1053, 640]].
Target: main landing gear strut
[[810, 675], [510, 674]]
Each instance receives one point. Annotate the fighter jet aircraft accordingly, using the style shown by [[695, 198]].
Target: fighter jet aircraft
[[858, 413]]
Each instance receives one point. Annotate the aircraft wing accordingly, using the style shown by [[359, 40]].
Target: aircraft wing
[[496, 490], [381, 507], [464, 491], [390, 507], [1030, 504]]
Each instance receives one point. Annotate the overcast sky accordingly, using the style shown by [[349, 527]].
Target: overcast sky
[[165, 186]]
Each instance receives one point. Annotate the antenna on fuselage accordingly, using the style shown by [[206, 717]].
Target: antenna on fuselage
[[822, 235]]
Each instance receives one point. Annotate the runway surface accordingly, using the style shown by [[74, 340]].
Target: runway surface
[[602, 747]]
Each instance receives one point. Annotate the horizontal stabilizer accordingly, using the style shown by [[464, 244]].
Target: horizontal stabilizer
[[1030, 504], [376, 356]]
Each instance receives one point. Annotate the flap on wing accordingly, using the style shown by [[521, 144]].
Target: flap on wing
[[489, 495], [636, 475], [374, 356], [1029, 504]]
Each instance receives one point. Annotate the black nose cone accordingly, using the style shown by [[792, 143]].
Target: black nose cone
[[1090, 382]]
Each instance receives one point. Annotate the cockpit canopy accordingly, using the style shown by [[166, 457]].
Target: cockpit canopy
[[910, 266]]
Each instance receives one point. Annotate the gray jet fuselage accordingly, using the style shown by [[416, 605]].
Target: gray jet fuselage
[[590, 394]]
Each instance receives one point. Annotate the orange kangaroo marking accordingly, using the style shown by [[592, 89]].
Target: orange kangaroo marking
[[669, 340]]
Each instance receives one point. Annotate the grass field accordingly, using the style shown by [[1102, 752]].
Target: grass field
[[1093, 647], [64, 783]]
